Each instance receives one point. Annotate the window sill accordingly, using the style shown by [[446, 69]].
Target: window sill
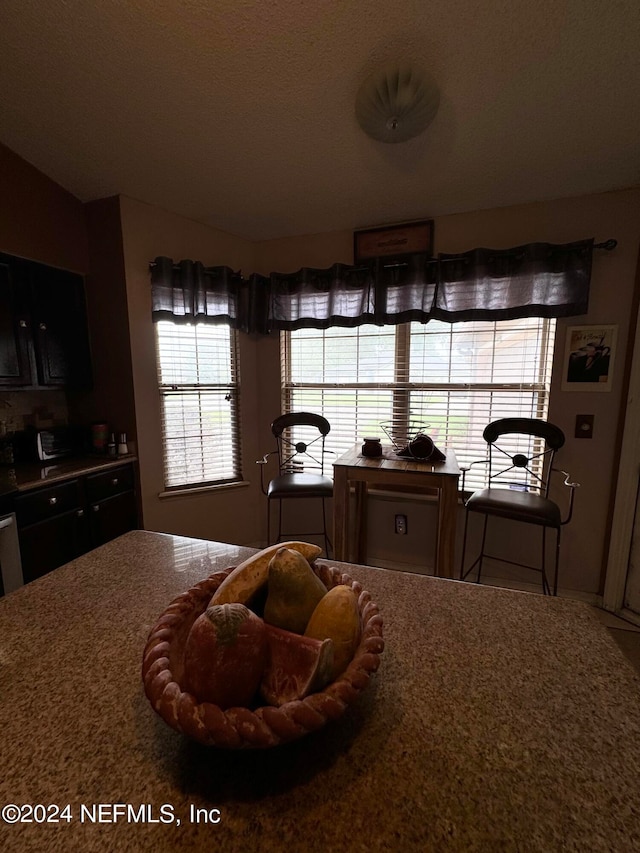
[[198, 490]]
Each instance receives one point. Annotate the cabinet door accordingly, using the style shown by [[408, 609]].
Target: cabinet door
[[43, 504], [50, 544], [60, 327], [109, 483], [14, 331], [112, 517]]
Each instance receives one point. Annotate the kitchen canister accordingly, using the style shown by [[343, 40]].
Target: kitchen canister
[[99, 437], [372, 447]]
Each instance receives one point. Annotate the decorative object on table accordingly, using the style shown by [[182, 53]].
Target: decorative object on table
[[397, 102], [393, 241], [410, 440], [112, 449], [298, 659], [372, 447], [588, 358]]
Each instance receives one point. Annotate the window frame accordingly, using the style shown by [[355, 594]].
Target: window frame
[[231, 391], [402, 387]]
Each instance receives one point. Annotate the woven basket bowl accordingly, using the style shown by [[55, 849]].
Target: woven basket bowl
[[260, 727]]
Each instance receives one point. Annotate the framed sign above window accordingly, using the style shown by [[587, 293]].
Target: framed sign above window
[[393, 240], [588, 358]]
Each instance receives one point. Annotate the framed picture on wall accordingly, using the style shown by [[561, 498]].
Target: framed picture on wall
[[589, 354], [390, 241]]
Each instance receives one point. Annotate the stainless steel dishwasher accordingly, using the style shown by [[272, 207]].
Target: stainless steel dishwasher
[[10, 564]]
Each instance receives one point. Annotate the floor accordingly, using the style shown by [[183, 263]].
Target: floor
[[629, 643]]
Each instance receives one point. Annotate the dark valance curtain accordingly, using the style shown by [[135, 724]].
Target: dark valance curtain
[[188, 291], [406, 290], [539, 279], [313, 298]]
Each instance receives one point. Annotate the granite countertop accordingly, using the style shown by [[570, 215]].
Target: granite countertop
[[497, 721], [28, 476]]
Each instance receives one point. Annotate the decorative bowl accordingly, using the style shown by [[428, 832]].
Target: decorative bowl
[[266, 725], [403, 436]]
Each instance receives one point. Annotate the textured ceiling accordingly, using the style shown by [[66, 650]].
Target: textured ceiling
[[240, 113]]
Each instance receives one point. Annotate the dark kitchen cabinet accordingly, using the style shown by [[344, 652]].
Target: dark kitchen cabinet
[[52, 527], [50, 544], [58, 523], [44, 335], [14, 335], [112, 504]]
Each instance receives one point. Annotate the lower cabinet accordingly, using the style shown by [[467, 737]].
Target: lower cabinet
[[58, 523], [112, 504]]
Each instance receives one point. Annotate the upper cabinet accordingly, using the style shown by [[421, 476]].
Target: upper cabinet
[[44, 340], [14, 333]]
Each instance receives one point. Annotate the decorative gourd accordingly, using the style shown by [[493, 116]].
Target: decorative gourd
[[297, 666], [294, 590], [337, 618], [249, 576], [225, 655]]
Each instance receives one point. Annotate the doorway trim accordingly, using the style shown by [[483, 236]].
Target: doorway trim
[[627, 487]]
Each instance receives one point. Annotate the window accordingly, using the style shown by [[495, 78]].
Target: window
[[454, 379], [198, 380]]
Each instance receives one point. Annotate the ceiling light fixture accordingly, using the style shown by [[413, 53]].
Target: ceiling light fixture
[[397, 102]]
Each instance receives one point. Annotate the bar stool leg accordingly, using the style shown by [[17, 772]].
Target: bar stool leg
[[327, 542], [464, 544], [546, 590], [279, 539], [484, 538], [555, 574]]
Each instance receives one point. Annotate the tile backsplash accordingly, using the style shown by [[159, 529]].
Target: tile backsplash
[[40, 409]]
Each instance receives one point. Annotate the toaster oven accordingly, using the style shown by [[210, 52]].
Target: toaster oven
[[42, 445]]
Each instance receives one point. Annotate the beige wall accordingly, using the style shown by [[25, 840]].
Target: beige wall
[[591, 462], [227, 514]]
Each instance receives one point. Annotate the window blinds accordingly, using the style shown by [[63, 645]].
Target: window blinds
[[453, 379], [197, 376]]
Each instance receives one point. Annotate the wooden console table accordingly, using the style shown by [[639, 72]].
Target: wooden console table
[[390, 470]]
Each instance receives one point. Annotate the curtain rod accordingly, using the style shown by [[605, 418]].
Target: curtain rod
[[607, 245]]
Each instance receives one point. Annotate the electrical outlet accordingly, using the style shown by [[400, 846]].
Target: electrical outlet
[[401, 524], [584, 426]]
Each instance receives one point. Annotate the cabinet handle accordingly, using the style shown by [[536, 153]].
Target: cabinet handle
[[80, 513], [42, 327], [114, 482], [95, 508], [23, 324], [53, 501]]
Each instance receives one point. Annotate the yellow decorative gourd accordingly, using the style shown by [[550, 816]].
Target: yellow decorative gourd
[[337, 618], [247, 579]]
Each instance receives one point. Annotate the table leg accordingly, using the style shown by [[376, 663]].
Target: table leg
[[360, 523], [340, 514], [447, 514]]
